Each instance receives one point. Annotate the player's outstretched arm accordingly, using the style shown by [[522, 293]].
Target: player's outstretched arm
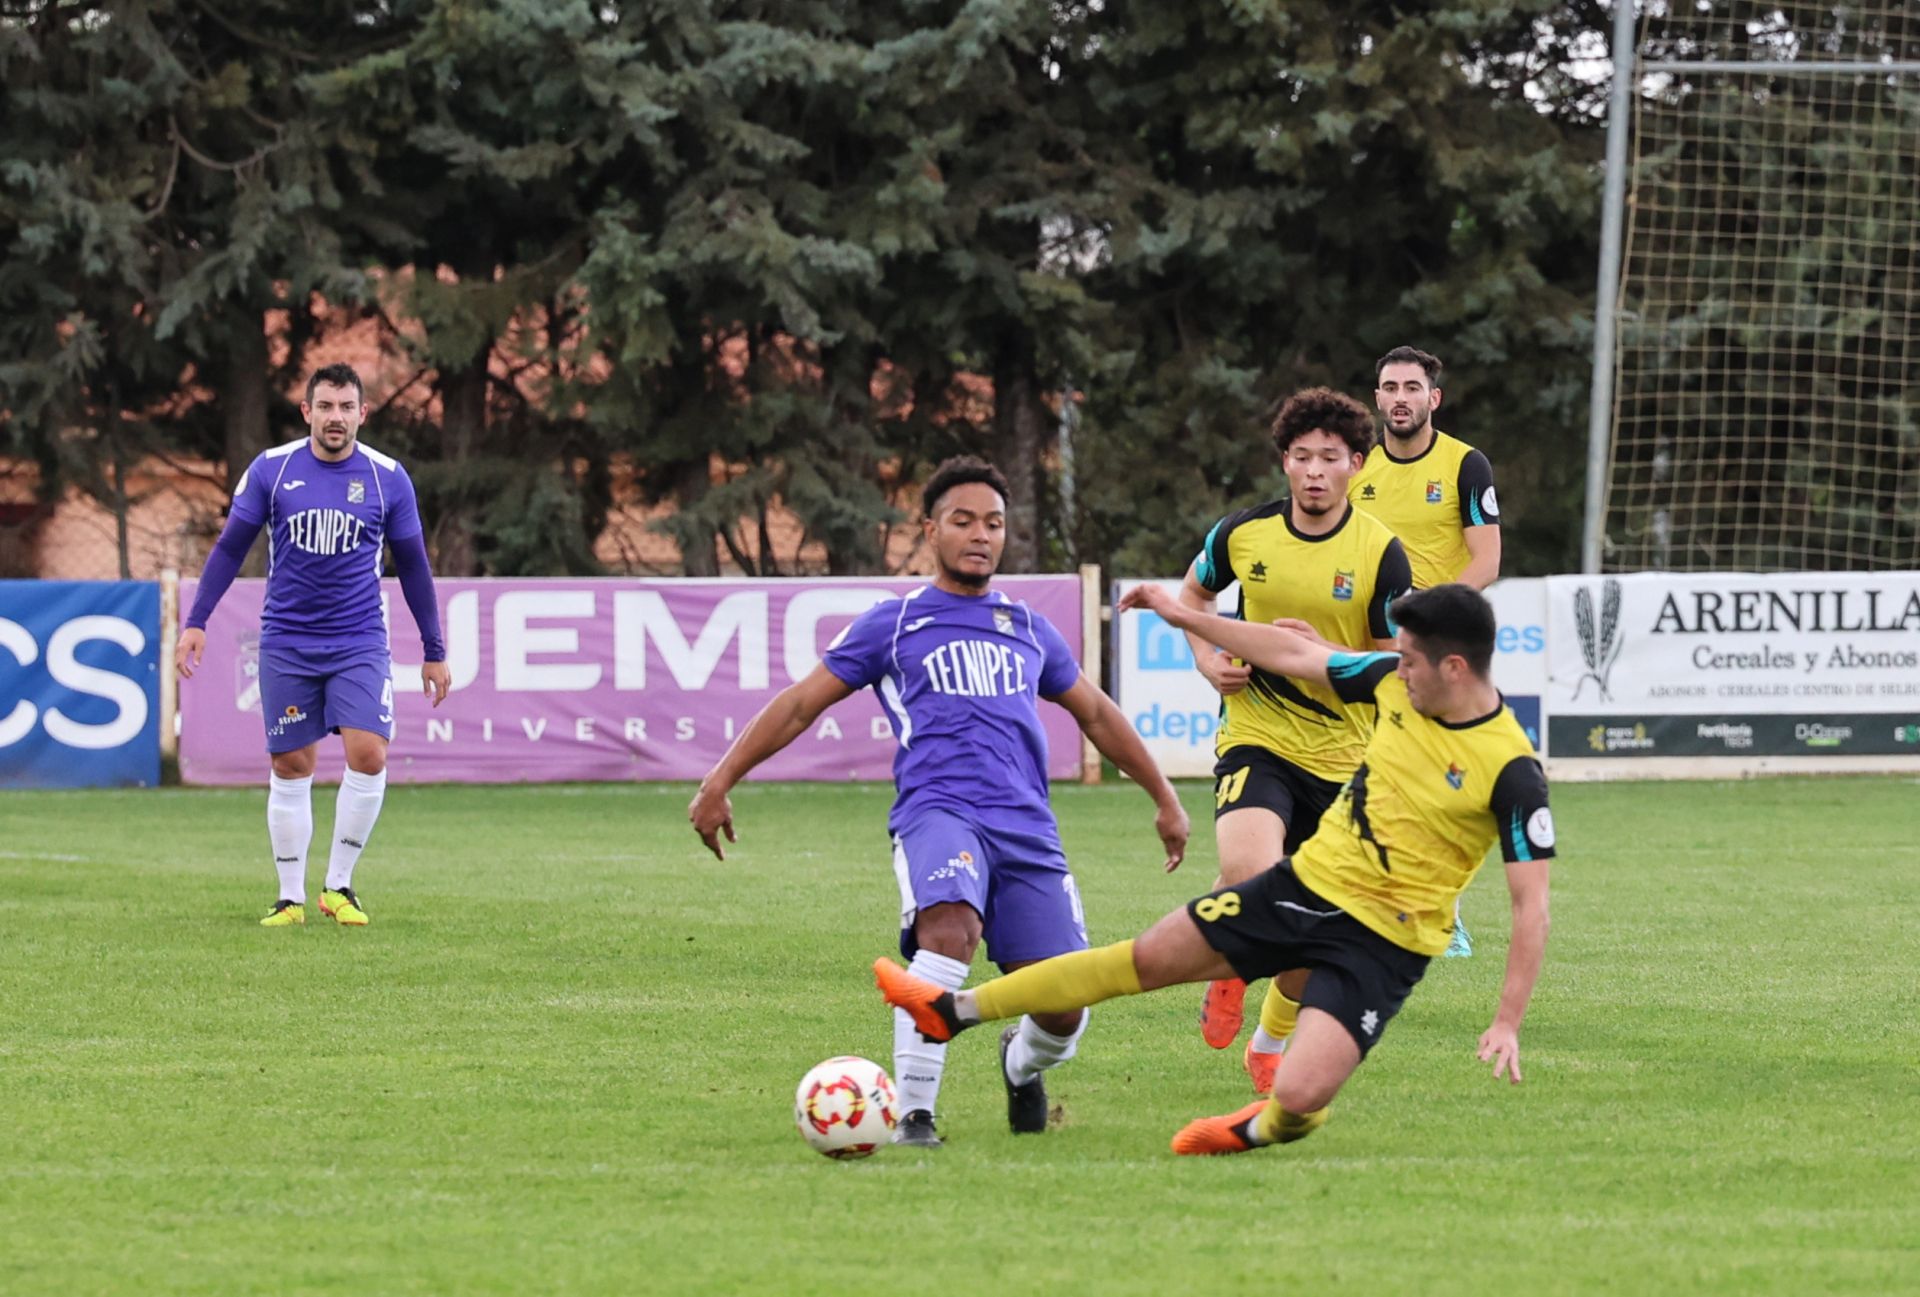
[[792, 711], [1500, 1044], [1104, 723], [222, 565], [1272, 648]]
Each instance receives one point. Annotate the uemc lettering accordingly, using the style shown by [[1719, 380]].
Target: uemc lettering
[[1765, 612], [976, 668], [535, 632], [324, 531]]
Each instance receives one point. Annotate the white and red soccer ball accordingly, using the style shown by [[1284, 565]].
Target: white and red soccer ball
[[845, 1107]]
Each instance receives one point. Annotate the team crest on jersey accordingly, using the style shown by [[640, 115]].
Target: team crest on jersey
[[1343, 586], [1456, 777], [1433, 490], [1003, 621], [356, 491]]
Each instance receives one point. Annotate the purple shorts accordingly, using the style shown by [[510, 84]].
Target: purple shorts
[[306, 694], [1019, 883]]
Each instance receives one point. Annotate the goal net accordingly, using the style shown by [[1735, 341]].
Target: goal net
[[1766, 412]]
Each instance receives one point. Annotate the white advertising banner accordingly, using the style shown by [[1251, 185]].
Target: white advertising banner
[[1177, 714], [1725, 664]]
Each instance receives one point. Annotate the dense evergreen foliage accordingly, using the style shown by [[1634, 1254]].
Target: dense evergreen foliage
[[828, 243]]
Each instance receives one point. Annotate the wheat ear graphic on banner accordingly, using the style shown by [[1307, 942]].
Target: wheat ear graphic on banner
[[1598, 649]]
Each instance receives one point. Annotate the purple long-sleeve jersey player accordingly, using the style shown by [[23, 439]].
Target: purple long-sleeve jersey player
[[328, 505]]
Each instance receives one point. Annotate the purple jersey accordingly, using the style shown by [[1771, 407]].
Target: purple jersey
[[325, 527], [959, 677]]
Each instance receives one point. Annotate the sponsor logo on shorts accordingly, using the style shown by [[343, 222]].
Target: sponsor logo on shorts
[[1370, 1022], [955, 866], [291, 716]]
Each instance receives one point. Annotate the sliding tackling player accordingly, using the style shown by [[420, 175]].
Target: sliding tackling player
[[1364, 903]]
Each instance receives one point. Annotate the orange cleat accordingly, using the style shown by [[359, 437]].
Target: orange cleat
[[929, 1004], [1207, 1136], [1221, 1012], [1261, 1067]]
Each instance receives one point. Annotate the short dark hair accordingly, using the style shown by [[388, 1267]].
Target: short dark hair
[[1321, 409], [958, 471], [1410, 356], [339, 374], [1450, 619]]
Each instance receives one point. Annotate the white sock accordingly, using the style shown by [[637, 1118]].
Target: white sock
[[353, 816], [918, 1063], [1032, 1050], [1266, 1044], [290, 830]]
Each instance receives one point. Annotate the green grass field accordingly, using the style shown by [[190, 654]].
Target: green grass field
[[562, 1061]]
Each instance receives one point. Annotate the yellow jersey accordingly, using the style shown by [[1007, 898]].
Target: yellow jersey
[[1428, 502], [1412, 825], [1342, 584]]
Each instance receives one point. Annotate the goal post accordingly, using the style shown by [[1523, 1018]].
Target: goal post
[[1760, 408]]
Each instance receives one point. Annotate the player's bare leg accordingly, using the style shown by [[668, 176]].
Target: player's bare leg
[[363, 788], [1318, 1062], [1250, 839], [290, 830]]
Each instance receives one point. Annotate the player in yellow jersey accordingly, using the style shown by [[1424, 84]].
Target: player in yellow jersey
[[1364, 903], [1433, 491], [1285, 746]]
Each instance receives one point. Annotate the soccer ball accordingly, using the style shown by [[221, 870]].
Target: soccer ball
[[845, 1107]]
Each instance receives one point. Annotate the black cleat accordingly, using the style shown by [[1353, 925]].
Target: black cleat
[[1026, 1104], [916, 1130]]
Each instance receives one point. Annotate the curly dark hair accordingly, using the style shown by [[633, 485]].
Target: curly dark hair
[[1410, 356], [339, 375], [959, 471], [1321, 409]]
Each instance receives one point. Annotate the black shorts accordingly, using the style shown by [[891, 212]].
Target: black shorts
[[1272, 923], [1250, 776]]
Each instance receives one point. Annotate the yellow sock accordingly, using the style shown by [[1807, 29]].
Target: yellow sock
[[1278, 1015], [1062, 983], [1275, 1125]]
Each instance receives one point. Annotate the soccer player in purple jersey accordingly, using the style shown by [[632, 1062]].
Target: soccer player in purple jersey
[[327, 503], [960, 668]]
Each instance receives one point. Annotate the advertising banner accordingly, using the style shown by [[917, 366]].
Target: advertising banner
[[79, 684], [1177, 714], [604, 679], [1726, 664]]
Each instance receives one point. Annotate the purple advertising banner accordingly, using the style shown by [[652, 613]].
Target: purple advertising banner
[[608, 679]]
